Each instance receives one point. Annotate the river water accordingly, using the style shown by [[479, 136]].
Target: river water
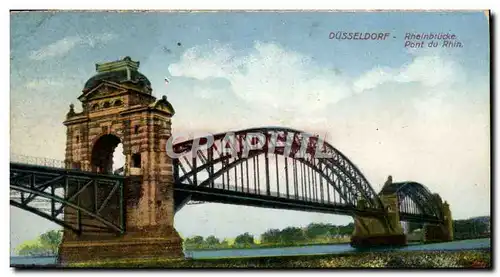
[[290, 251]]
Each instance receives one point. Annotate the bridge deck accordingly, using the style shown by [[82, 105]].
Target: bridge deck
[[282, 201], [31, 183], [217, 195]]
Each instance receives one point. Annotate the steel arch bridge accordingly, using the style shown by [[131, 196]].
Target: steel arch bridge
[[285, 172], [337, 177], [415, 201], [277, 168]]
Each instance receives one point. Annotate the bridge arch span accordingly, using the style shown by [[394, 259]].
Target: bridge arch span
[[210, 162], [423, 201]]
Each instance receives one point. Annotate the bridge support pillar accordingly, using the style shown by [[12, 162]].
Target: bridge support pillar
[[149, 230], [373, 232], [118, 107], [441, 232]]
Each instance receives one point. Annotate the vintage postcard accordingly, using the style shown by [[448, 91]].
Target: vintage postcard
[[250, 139]]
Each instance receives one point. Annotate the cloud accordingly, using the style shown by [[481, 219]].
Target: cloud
[[430, 70], [58, 48], [65, 45], [269, 75], [272, 76], [43, 84]]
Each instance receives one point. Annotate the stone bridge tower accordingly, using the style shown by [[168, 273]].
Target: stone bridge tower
[[118, 107]]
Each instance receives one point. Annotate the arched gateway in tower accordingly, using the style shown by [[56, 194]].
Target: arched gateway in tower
[[118, 107]]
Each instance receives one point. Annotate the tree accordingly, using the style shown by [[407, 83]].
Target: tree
[[31, 248], [271, 236], [315, 230], [347, 229], [195, 240], [245, 238], [224, 243], [212, 241], [469, 228], [51, 240], [292, 234], [46, 244]]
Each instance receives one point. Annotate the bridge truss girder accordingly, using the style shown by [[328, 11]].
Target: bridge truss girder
[[62, 196]]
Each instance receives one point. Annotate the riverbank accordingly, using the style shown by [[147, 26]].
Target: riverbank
[[278, 253], [413, 259], [267, 246], [289, 245]]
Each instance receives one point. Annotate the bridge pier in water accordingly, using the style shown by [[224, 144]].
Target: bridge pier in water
[[440, 232], [118, 107], [148, 232], [386, 231]]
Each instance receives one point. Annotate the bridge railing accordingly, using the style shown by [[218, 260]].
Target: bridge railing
[[23, 159]]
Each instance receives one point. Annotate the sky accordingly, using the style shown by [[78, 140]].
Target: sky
[[417, 114]]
